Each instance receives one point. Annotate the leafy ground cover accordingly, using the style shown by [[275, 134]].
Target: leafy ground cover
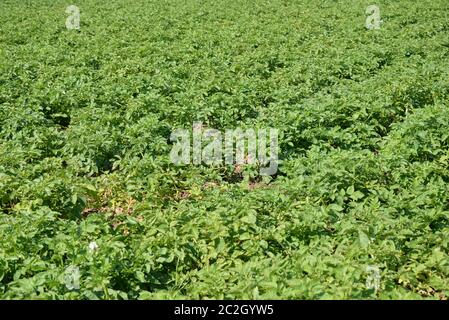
[[85, 121]]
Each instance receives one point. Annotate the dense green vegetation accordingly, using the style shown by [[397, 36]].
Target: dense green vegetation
[[85, 121]]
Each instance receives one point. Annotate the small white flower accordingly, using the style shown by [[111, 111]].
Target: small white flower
[[93, 246]]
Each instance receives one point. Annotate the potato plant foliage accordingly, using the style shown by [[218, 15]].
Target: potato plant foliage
[[85, 121]]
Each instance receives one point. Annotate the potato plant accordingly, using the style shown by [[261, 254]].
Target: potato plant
[[91, 207]]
